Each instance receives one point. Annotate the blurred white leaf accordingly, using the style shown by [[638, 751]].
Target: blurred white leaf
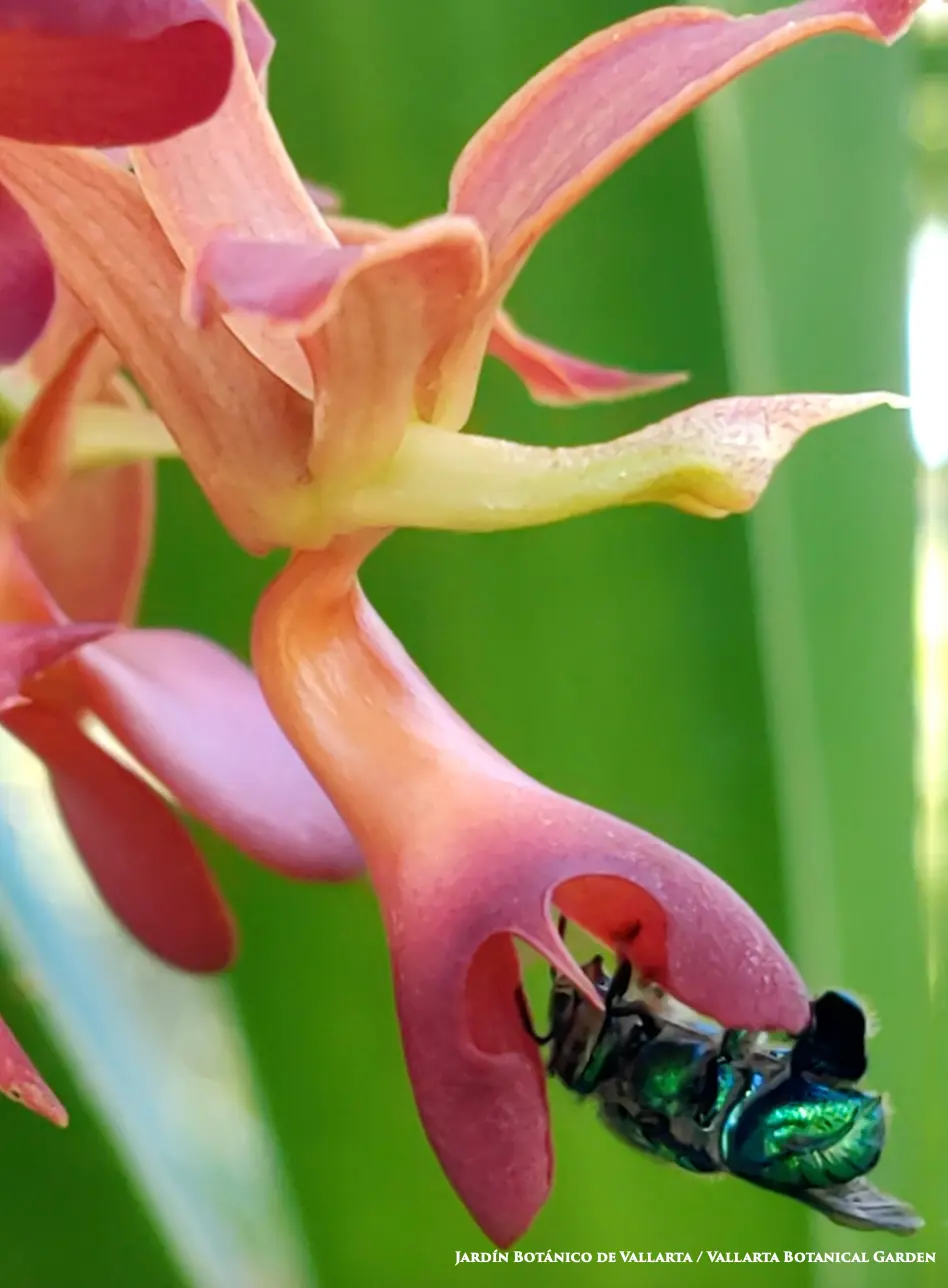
[[161, 1054]]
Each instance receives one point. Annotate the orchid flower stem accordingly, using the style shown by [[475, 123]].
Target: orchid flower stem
[[466, 483], [118, 436], [101, 435], [710, 460]]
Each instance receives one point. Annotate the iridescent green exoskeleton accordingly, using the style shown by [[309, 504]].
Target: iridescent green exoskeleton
[[782, 1112]]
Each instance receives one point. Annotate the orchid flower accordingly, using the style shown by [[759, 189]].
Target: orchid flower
[[74, 545], [93, 73], [314, 373]]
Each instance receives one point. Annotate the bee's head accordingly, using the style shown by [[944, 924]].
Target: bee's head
[[833, 1045]]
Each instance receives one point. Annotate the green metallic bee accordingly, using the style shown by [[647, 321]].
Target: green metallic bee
[[781, 1112]]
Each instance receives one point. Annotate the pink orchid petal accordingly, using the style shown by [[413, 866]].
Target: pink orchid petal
[[27, 649], [464, 852], [561, 380], [287, 282], [25, 601], [27, 282], [232, 171], [36, 457], [234, 174], [195, 718], [452, 899], [282, 353], [20, 1081], [258, 41], [404, 295], [530, 164], [91, 546], [102, 72], [137, 852], [550, 375], [323, 197], [121, 157], [220, 405]]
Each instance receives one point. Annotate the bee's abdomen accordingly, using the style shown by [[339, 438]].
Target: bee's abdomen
[[799, 1135]]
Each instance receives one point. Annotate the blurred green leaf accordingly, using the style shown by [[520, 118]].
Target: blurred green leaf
[[809, 199]]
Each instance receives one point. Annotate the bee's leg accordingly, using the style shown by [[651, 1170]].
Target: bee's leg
[[618, 1008], [526, 1019], [707, 1097], [733, 1042], [623, 1010], [618, 985]]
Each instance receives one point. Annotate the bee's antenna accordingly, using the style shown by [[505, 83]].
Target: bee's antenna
[[526, 1019], [619, 984], [561, 928]]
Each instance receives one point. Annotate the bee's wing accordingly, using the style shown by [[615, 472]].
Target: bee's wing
[[863, 1207]]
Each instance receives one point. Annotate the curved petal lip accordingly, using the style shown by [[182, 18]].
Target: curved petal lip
[[26, 650], [104, 73]]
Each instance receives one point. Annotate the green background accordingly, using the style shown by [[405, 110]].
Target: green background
[[744, 688]]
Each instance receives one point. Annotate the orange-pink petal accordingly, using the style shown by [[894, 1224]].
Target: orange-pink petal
[[139, 855], [399, 299], [464, 852], [195, 718], [243, 432], [235, 173], [91, 545], [454, 895], [104, 72], [258, 41], [87, 535], [550, 375], [562, 380], [232, 171], [598, 104], [69, 323], [20, 1081], [23, 598]]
